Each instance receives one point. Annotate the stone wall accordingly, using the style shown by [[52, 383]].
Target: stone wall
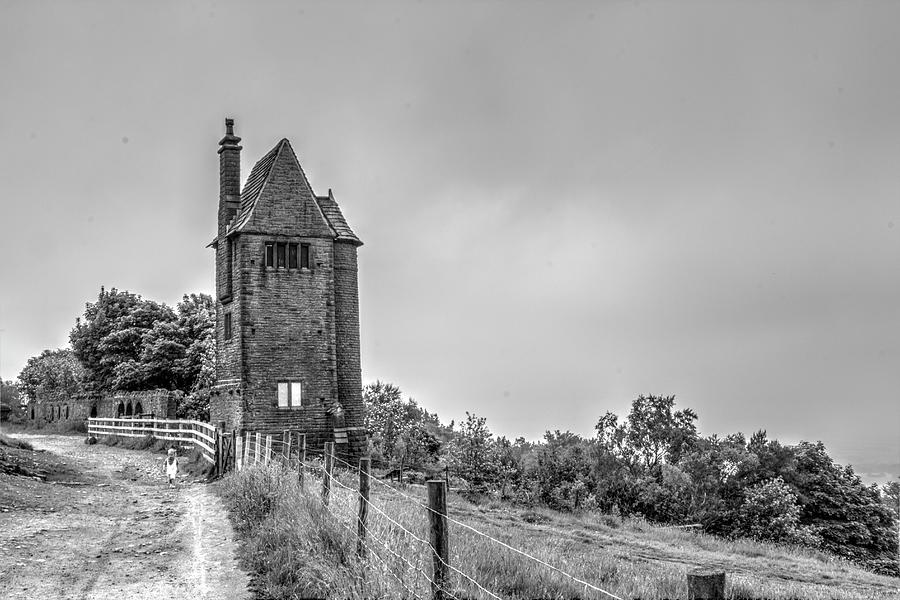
[[160, 403]]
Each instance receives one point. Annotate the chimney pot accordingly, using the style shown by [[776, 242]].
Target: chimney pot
[[229, 126]]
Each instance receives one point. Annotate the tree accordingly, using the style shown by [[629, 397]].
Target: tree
[[401, 431], [128, 343], [108, 342], [472, 453], [9, 394], [53, 374], [770, 512], [656, 432]]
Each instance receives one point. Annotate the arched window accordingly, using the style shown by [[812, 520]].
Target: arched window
[[128, 410], [138, 409], [67, 411], [120, 410], [93, 411], [32, 413]]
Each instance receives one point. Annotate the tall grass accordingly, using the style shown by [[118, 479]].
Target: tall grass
[[298, 548]]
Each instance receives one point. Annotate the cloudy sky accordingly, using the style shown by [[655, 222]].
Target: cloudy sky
[[564, 205]]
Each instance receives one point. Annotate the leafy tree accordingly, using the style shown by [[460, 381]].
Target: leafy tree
[[401, 431], [890, 496], [53, 374], [658, 433], [850, 516], [128, 343], [472, 453], [770, 512], [9, 394], [108, 342], [563, 470]]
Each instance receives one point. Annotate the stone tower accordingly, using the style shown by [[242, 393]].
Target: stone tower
[[287, 304]]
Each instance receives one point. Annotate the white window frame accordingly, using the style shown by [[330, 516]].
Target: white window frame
[[289, 394]]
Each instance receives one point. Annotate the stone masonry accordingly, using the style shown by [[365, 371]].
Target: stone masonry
[[159, 403], [287, 309]]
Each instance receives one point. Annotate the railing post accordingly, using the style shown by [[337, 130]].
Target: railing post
[[256, 449], [238, 452], [220, 438], [268, 449], [302, 465], [286, 446], [246, 449], [329, 467], [439, 537], [364, 467]]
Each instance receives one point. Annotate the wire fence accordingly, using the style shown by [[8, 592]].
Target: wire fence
[[392, 530]]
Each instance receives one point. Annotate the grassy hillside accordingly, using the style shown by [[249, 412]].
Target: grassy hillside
[[299, 549]]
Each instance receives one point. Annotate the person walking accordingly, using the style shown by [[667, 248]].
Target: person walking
[[171, 467]]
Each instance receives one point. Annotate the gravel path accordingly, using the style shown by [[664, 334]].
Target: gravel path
[[110, 528]]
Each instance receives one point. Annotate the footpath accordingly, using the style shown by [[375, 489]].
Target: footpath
[[105, 525]]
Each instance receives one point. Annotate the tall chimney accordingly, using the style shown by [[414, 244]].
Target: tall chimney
[[229, 176]]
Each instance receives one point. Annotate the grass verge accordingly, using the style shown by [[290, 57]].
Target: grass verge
[[298, 548]]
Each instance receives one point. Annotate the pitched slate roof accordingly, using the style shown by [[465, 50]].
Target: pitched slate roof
[[336, 219], [256, 182]]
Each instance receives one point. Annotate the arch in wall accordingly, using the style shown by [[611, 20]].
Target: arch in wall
[[128, 410], [67, 411], [32, 413], [93, 411], [138, 409], [58, 411], [120, 410]]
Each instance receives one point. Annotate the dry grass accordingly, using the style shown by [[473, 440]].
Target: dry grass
[[299, 549], [9, 442]]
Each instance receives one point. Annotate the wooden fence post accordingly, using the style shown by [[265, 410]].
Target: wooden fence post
[[704, 584], [268, 448], [329, 467], [439, 536], [238, 452], [364, 468], [302, 466], [221, 459], [286, 446], [256, 449]]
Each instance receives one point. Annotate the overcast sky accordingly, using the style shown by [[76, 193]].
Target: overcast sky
[[564, 205]]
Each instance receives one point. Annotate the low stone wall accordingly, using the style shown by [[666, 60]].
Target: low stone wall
[[159, 403]]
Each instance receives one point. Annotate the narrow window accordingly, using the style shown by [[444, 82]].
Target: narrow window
[[292, 256], [228, 326], [304, 256], [283, 395], [270, 255], [280, 256], [229, 267], [296, 394]]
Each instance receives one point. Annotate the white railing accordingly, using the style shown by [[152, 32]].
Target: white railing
[[198, 434]]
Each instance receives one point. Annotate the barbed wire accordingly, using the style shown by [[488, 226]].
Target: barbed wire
[[412, 535], [419, 502]]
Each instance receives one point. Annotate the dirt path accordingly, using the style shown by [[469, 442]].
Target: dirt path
[[109, 528]]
